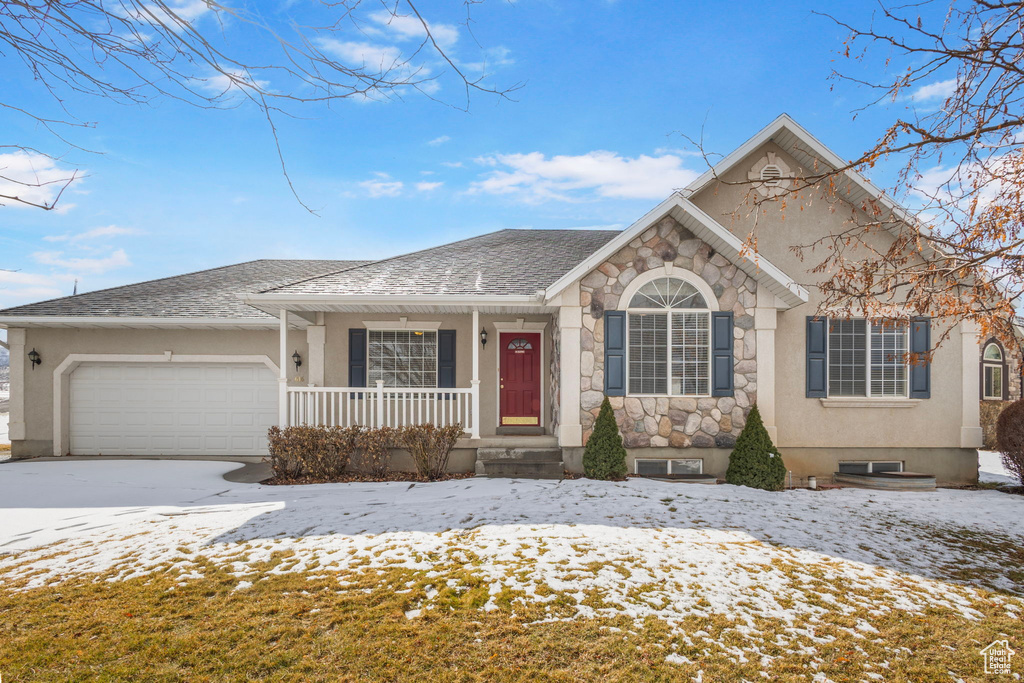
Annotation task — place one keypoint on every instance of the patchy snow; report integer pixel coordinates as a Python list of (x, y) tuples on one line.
[(991, 470), (4, 435), (645, 548)]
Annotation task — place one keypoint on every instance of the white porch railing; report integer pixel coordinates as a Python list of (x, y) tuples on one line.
[(384, 406)]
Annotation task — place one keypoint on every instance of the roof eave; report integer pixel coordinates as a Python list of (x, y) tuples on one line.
[(137, 322)]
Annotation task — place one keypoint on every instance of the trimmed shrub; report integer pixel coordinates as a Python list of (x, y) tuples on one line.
[(319, 452), (755, 461), (374, 445), (429, 446), (604, 457), (1010, 435)]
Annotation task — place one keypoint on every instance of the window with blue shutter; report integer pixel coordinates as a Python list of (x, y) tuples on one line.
[(357, 357), (817, 357), (920, 370), (721, 353), (615, 353), (446, 358)]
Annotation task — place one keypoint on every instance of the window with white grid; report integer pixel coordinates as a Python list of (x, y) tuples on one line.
[(847, 353), (648, 361), (868, 359), (889, 358), (669, 343), (403, 358), (691, 346)]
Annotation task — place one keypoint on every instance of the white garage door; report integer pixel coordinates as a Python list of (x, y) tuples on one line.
[(172, 409)]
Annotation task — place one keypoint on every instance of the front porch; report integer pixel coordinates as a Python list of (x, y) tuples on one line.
[(489, 371)]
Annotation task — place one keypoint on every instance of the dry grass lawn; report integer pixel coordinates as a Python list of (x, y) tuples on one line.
[(300, 626)]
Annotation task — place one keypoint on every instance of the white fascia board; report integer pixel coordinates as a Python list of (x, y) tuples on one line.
[(133, 322), (709, 230)]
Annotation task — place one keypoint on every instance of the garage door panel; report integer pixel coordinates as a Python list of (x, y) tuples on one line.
[(171, 409)]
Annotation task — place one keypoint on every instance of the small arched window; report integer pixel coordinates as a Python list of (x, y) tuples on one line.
[(993, 373), (669, 340)]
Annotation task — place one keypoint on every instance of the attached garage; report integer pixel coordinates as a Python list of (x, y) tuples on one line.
[(171, 408)]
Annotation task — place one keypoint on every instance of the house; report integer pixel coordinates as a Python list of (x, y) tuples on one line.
[(518, 335)]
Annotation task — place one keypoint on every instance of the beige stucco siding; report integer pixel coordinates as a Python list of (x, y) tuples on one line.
[(55, 345), (801, 421)]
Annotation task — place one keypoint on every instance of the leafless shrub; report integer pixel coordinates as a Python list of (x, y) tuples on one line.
[(429, 446), (321, 452), (1010, 434), (374, 446)]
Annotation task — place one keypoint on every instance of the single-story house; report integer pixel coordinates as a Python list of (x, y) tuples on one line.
[(519, 335)]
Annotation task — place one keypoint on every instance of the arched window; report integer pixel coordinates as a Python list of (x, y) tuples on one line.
[(669, 338), (993, 371)]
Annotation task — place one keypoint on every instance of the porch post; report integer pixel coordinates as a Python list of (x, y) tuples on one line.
[(282, 379), (570, 323), (316, 337), (765, 324), (474, 427), (16, 340)]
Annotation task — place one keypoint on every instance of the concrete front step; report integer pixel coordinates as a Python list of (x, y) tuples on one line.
[(520, 468), (540, 454)]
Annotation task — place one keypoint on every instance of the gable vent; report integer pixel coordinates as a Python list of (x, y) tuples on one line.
[(771, 175)]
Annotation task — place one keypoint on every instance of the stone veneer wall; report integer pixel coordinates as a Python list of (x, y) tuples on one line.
[(677, 422), (554, 376)]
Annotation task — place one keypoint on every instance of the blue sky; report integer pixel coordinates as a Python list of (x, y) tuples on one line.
[(591, 140)]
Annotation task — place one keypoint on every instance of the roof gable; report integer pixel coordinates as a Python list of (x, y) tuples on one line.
[(707, 229)]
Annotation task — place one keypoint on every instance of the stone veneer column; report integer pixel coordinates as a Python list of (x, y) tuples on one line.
[(970, 429), (765, 323), (16, 342), (570, 322)]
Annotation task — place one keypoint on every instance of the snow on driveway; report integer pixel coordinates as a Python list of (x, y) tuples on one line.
[(646, 548)]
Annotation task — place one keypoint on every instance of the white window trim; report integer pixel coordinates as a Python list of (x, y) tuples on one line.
[(985, 367), (402, 323), (413, 327), (668, 350), (903, 401), (669, 270), (668, 469)]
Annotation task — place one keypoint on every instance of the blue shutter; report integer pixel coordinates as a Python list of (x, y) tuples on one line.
[(817, 357), (615, 353), (357, 357), (921, 371), (721, 354), (446, 358)]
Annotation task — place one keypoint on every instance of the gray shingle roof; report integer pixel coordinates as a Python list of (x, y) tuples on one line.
[(507, 262), (204, 294)]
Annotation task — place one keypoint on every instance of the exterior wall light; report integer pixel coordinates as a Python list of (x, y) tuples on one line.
[(35, 358), (483, 337), (297, 359)]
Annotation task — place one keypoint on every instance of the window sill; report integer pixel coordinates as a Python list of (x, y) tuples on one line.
[(864, 402)]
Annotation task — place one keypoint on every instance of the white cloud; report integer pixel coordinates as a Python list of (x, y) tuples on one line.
[(492, 57), (224, 83), (438, 141), (34, 178), (940, 90), (409, 27), (19, 288), (452, 164), (536, 177), (117, 259), (382, 186), (428, 187), (94, 234), (382, 57)]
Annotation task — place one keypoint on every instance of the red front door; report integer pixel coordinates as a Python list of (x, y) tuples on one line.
[(520, 378)]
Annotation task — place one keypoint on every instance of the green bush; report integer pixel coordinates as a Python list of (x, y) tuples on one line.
[(429, 446), (604, 457), (755, 461)]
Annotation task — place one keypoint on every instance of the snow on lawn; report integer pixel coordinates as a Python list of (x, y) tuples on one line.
[(638, 548), (991, 470)]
